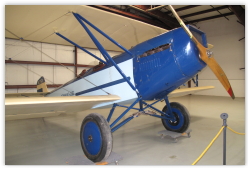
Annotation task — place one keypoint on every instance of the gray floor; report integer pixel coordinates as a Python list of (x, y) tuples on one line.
[(52, 141)]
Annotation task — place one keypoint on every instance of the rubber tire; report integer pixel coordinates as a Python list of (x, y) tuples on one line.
[(106, 137), (185, 115)]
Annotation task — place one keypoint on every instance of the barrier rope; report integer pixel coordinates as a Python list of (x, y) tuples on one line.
[(235, 131), (210, 144)]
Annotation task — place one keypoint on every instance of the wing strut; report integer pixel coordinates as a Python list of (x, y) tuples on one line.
[(107, 57), (101, 32), (78, 46)]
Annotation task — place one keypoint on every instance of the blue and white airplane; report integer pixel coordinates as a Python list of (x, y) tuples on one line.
[(152, 70)]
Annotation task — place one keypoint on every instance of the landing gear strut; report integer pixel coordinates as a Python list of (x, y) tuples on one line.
[(96, 137)]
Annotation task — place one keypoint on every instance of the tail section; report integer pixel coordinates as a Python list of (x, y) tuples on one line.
[(41, 85)]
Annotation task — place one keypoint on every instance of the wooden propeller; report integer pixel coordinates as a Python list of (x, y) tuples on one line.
[(207, 58)]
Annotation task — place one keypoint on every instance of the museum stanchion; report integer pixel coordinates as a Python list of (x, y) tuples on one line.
[(224, 116), (210, 144)]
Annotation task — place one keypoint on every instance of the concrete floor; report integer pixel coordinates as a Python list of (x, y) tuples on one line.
[(51, 141)]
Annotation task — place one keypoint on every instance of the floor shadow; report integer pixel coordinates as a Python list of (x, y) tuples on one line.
[(196, 118)]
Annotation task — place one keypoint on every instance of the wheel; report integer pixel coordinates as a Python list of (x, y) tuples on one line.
[(182, 118), (96, 137)]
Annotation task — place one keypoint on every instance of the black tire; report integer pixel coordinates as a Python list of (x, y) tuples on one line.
[(182, 118), (96, 137)]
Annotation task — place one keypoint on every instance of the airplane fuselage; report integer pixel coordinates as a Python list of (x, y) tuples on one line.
[(158, 66)]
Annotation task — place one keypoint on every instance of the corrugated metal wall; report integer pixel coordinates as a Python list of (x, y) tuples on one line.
[(20, 75)]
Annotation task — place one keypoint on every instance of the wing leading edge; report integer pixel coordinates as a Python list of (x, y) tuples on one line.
[(33, 107), (186, 91)]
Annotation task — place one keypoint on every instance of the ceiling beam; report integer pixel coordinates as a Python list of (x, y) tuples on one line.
[(204, 11), (166, 19), (208, 18), (130, 15), (160, 6), (239, 12), (183, 8), (219, 12)]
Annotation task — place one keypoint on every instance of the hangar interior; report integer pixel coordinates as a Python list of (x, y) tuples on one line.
[(33, 50)]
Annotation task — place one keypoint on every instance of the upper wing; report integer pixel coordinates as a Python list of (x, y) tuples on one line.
[(33, 107), (186, 91)]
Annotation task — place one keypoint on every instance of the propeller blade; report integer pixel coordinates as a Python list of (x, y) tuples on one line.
[(181, 23), (217, 70), (215, 67), (210, 46), (209, 60)]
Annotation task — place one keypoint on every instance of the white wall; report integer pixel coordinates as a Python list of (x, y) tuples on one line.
[(20, 75), (229, 52)]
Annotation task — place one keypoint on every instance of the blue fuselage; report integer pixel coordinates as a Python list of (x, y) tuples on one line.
[(157, 67)]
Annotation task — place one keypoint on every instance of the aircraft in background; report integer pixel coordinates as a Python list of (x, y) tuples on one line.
[(152, 70)]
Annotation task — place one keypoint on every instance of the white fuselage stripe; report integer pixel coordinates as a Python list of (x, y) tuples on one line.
[(100, 78)]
